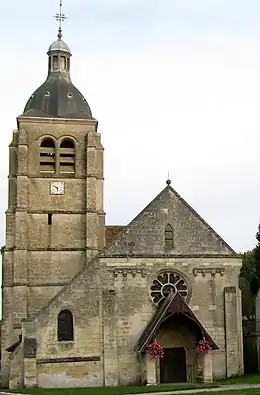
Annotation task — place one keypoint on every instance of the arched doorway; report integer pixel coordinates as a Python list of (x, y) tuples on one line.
[(173, 366), (179, 362)]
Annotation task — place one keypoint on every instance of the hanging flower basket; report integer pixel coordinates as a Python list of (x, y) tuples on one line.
[(155, 350), (203, 347)]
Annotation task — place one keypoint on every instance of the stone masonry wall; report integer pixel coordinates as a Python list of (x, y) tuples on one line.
[(41, 257), (77, 363), (145, 234), (111, 306), (207, 278)]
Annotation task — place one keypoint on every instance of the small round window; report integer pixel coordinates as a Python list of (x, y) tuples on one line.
[(167, 282)]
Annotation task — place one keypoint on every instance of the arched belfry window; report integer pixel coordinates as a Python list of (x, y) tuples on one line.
[(47, 156), (67, 156), (168, 237), (65, 326)]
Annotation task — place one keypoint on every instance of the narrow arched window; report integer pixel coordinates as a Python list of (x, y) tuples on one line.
[(168, 237), (65, 326), (67, 157), (55, 63), (47, 156)]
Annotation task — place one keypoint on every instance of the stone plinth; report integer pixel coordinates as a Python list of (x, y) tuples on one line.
[(207, 368)]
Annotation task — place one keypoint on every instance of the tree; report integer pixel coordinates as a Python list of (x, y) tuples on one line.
[(255, 277), (249, 280), (246, 280)]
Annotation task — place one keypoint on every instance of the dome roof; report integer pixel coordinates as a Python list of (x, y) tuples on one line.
[(58, 98), (59, 45)]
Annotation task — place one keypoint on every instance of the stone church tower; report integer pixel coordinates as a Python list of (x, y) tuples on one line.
[(55, 218)]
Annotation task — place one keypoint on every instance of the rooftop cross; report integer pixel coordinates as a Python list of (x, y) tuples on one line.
[(60, 17)]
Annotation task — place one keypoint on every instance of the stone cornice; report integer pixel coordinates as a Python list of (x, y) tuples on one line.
[(58, 121), (129, 270), (43, 361), (17, 326), (58, 249), (209, 270), (56, 211), (35, 284), (126, 255), (231, 289), (45, 176)]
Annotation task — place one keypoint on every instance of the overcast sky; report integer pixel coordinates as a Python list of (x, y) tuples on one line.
[(175, 86)]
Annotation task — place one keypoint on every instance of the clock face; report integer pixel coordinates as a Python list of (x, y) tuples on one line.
[(57, 188)]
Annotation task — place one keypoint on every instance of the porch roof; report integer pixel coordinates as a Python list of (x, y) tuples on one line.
[(173, 305), (14, 345)]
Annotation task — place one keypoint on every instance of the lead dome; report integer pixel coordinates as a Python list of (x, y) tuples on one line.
[(59, 45), (57, 97)]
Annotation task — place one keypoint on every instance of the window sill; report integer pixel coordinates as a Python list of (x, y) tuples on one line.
[(66, 344)]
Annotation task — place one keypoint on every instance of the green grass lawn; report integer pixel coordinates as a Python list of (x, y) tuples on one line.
[(254, 391), (246, 379), (253, 378), (129, 390), (111, 390)]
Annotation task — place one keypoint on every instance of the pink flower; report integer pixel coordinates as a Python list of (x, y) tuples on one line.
[(155, 350), (203, 347)]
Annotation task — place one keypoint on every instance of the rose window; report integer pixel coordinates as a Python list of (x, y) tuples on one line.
[(166, 283)]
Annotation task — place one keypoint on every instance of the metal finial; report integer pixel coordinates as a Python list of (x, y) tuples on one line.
[(168, 182), (60, 17)]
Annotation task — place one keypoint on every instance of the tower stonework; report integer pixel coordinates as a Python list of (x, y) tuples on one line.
[(55, 218)]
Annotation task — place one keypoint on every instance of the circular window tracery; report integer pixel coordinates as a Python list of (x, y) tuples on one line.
[(167, 282)]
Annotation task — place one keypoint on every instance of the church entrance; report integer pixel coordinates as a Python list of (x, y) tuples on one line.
[(173, 366)]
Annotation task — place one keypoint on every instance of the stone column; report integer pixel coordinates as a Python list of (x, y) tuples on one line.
[(150, 370), (30, 367), (233, 325), (16, 369), (110, 351), (207, 368), (95, 216), (99, 195)]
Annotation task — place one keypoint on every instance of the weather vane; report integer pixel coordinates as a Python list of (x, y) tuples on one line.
[(168, 182), (60, 17)]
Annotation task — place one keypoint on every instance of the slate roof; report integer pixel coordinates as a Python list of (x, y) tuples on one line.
[(58, 98), (172, 306), (14, 345)]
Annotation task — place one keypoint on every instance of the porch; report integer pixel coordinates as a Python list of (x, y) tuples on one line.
[(176, 328)]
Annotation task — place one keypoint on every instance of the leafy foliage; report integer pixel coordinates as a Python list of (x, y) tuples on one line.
[(250, 278), (248, 283), (255, 280)]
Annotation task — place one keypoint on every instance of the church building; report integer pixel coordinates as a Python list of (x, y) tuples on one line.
[(87, 304)]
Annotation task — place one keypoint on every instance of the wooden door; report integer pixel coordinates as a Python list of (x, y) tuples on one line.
[(173, 366)]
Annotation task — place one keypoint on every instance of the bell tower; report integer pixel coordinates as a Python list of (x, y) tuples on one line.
[(55, 221)]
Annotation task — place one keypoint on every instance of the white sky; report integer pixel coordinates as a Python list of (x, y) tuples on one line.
[(175, 87)]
